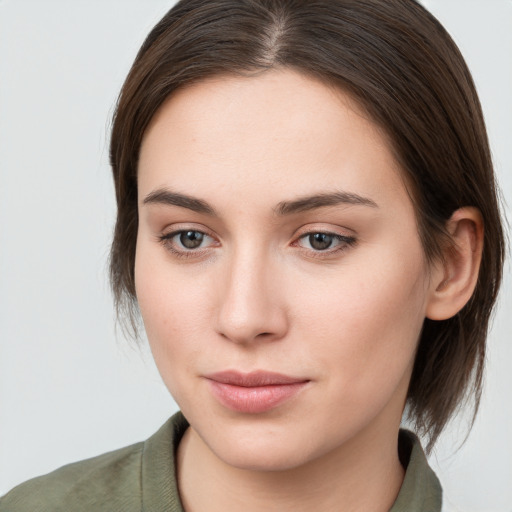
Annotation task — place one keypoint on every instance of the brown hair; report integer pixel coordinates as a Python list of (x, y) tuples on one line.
[(401, 65)]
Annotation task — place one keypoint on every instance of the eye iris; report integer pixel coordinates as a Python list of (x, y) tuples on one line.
[(191, 239), (320, 241)]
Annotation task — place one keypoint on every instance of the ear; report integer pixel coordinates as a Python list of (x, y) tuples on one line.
[(454, 279)]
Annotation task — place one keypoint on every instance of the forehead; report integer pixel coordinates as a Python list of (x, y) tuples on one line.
[(263, 136)]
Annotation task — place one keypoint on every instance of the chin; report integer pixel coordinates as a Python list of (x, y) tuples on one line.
[(262, 446), (269, 459)]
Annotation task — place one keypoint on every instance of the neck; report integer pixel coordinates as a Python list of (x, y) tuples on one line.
[(363, 474)]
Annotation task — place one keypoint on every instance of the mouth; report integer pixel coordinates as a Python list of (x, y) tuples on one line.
[(254, 392)]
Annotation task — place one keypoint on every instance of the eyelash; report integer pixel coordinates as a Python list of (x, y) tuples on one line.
[(344, 242)]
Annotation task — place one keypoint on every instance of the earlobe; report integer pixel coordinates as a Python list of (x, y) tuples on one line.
[(455, 278)]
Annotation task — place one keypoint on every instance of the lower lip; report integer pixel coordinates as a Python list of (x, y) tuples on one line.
[(255, 399)]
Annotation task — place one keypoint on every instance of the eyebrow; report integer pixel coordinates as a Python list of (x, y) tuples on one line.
[(303, 204), (168, 197)]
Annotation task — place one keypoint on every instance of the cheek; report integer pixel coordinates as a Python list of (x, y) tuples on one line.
[(364, 351), (366, 322), (166, 298), (170, 308)]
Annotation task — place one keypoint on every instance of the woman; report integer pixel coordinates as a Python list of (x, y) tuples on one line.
[(303, 190)]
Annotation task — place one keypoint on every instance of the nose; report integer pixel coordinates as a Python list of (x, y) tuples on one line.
[(251, 306)]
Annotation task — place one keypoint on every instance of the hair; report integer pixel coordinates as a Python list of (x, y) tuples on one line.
[(404, 69)]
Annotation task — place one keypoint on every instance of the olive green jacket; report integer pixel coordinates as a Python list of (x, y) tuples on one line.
[(142, 478)]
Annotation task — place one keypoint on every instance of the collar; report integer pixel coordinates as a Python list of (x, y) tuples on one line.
[(421, 490)]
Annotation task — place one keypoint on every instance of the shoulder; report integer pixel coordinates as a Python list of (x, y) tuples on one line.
[(138, 477), (83, 486)]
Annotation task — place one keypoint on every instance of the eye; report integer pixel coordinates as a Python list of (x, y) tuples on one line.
[(190, 239), (186, 242), (325, 242)]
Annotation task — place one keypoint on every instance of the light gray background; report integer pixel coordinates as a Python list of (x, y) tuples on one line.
[(70, 388)]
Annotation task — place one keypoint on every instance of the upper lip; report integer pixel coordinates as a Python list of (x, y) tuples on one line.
[(253, 379)]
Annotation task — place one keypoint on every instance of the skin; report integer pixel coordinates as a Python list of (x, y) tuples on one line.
[(256, 295)]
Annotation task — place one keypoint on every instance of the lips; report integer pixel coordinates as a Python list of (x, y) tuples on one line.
[(254, 392)]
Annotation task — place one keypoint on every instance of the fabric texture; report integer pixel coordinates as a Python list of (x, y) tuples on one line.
[(142, 478)]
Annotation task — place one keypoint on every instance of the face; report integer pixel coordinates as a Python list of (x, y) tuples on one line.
[(279, 270)]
